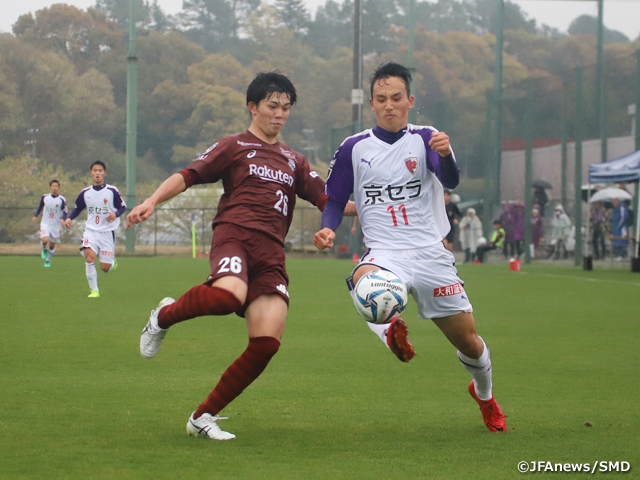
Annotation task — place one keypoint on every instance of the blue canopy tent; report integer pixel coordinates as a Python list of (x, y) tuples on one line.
[(623, 169)]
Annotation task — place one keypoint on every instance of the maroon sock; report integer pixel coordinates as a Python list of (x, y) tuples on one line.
[(240, 374), (200, 300)]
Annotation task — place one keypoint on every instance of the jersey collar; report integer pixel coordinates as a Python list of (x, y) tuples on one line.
[(388, 137)]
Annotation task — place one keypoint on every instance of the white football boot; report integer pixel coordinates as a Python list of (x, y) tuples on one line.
[(206, 426), (152, 334)]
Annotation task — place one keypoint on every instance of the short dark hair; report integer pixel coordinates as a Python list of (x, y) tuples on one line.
[(98, 162), (386, 70), (497, 222), (266, 83), (54, 181)]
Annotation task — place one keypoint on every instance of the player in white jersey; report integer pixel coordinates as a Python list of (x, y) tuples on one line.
[(54, 211), (104, 206), (396, 172)]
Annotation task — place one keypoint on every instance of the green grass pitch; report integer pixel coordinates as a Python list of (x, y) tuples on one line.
[(77, 401)]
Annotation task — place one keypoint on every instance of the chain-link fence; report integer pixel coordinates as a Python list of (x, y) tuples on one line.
[(168, 231)]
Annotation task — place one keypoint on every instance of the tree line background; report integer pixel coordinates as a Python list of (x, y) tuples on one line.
[(63, 75)]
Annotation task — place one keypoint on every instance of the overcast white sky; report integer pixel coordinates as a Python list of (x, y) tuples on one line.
[(621, 15)]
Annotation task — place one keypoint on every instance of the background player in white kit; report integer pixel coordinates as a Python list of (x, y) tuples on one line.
[(104, 206), (396, 172), (54, 211)]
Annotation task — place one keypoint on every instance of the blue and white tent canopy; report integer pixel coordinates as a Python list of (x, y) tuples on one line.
[(623, 169)]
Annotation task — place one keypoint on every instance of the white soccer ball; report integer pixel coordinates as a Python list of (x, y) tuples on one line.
[(380, 296), (481, 241)]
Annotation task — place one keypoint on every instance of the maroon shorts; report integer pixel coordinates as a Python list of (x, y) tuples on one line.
[(252, 256)]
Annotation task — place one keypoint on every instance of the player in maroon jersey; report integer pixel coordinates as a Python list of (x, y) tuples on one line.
[(261, 178)]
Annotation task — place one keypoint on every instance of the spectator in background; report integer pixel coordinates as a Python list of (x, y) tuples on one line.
[(454, 215), (537, 230), (505, 221), (540, 197), (470, 232), (619, 229), (561, 227), (497, 239), (517, 228), (597, 218)]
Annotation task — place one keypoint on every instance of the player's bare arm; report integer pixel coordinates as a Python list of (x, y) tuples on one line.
[(324, 238), (440, 143), (171, 187), (350, 209)]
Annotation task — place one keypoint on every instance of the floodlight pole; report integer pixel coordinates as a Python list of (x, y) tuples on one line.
[(577, 205), (637, 249), (600, 110), (357, 94), (528, 195), (132, 122), (411, 62)]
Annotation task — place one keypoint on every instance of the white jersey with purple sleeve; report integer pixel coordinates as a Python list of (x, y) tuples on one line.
[(53, 210), (396, 187), (99, 202)]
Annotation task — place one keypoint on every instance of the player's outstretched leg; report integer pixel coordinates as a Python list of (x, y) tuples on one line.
[(491, 411), (206, 426), (152, 334), (398, 341)]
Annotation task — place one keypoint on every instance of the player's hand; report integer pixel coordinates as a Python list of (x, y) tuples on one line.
[(140, 213), (33, 220), (440, 143), (67, 223), (324, 238), (111, 217)]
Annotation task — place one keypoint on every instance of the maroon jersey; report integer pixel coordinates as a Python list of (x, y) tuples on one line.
[(260, 182)]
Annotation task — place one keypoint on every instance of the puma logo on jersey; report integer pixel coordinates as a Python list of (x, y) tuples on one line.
[(368, 162)]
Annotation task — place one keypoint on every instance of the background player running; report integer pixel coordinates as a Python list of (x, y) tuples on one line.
[(54, 211), (396, 173), (104, 206)]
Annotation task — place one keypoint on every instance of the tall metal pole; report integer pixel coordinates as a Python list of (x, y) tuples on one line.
[(132, 121), (600, 108), (637, 249), (528, 195), (563, 151), (411, 62), (577, 206), (498, 100), (357, 94)]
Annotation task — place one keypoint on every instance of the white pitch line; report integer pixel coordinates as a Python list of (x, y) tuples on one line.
[(595, 280)]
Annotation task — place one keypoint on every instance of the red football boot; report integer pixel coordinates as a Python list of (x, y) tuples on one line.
[(491, 412), (398, 341)]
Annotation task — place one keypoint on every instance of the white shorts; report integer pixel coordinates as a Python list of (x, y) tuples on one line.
[(103, 243), (51, 231), (430, 276)]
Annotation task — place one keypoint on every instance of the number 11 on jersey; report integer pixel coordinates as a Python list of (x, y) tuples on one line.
[(402, 209)]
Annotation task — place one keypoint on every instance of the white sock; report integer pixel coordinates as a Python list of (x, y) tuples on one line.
[(92, 275), (43, 245), (50, 254), (480, 370), (380, 331)]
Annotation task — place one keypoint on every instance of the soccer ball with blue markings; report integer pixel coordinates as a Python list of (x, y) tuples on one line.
[(380, 296)]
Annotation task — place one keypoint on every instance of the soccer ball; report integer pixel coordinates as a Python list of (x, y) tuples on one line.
[(481, 241), (380, 296)]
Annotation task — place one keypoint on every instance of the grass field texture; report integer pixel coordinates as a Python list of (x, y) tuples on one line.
[(78, 401)]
